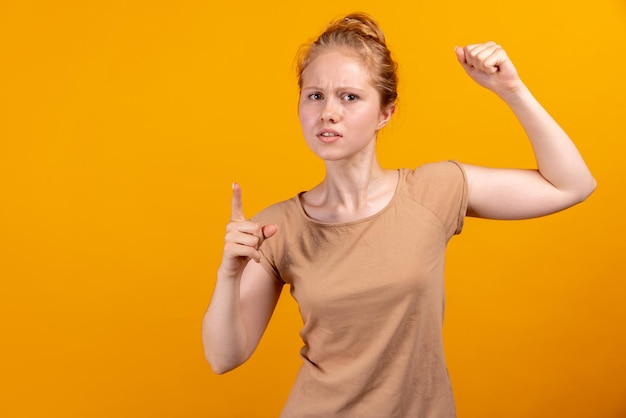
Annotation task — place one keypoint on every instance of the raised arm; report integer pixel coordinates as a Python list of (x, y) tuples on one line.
[(561, 179), (244, 297)]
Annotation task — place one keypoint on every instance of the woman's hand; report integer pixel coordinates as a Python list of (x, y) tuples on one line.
[(243, 239), (489, 65)]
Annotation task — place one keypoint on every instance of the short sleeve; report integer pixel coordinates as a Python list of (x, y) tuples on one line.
[(272, 249), (459, 208), (442, 188)]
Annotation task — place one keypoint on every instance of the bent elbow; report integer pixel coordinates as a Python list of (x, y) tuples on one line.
[(221, 366), (580, 193), (220, 369), (587, 189), (221, 359)]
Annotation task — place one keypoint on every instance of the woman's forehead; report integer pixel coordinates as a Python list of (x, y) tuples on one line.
[(342, 66)]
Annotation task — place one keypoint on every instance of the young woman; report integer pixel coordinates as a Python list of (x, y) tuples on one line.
[(363, 251)]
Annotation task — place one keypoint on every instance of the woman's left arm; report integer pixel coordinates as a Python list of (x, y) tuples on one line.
[(561, 179)]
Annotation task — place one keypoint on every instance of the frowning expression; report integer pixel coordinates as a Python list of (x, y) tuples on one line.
[(339, 108)]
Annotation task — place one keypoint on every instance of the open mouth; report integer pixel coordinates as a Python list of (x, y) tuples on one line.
[(328, 135)]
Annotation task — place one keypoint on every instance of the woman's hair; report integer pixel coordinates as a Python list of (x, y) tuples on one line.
[(360, 33)]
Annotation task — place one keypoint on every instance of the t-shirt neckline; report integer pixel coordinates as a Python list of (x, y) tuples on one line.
[(312, 220)]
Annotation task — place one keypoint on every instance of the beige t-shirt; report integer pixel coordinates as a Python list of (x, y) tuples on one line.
[(371, 296)]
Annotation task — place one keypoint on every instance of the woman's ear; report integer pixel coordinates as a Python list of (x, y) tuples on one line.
[(385, 115)]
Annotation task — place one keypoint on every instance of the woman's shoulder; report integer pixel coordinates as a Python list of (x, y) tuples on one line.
[(442, 188), (434, 175), (277, 212), (438, 169)]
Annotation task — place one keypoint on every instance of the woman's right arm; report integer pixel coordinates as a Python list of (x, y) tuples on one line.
[(244, 297)]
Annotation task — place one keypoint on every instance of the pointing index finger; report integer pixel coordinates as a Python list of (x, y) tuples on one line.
[(236, 207)]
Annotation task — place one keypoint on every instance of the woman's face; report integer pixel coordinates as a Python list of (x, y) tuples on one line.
[(339, 107)]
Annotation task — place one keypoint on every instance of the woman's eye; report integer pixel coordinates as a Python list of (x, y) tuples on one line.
[(350, 97), (316, 96)]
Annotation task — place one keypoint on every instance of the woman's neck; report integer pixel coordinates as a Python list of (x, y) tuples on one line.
[(350, 191)]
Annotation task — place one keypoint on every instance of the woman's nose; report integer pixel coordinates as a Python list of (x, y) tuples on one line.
[(330, 112)]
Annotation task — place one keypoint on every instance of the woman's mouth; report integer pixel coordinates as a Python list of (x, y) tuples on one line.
[(328, 136)]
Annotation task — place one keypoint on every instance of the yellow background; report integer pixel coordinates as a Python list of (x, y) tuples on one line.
[(123, 124)]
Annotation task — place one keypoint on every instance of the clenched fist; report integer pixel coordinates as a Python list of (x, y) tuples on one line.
[(489, 65)]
